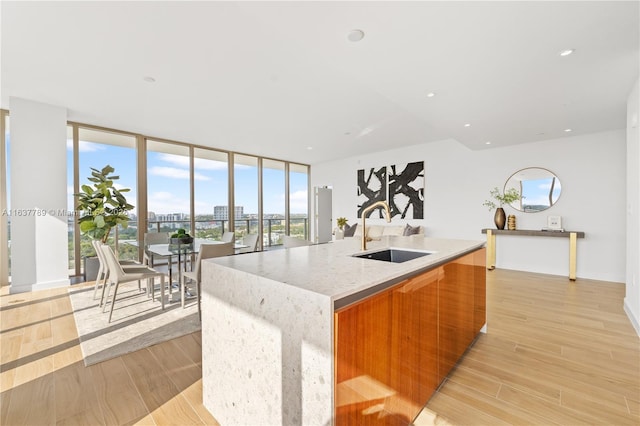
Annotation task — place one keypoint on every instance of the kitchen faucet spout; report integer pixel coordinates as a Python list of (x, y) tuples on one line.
[(365, 211)]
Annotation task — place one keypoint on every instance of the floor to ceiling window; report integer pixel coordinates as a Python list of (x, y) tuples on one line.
[(186, 187), (246, 190), (211, 193), (299, 200), (168, 187), (97, 149), (273, 201)]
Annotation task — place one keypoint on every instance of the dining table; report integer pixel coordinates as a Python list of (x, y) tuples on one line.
[(181, 251)]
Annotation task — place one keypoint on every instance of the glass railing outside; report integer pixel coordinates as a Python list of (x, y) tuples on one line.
[(209, 228), (273, 229)]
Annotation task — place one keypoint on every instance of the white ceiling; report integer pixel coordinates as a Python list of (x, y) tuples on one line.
[(275, 78)]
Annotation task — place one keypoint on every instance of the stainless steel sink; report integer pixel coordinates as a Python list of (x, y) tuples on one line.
[(394, 255)]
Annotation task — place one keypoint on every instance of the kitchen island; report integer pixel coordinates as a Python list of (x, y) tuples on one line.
[(313, 335)]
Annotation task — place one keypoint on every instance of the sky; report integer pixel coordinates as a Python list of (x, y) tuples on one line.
[(168, 181), (536, 192)]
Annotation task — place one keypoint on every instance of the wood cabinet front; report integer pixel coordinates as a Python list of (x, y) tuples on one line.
[(387, 355), (455, 312), (393, 349)]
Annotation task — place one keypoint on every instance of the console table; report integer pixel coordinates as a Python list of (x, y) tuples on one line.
[(572, 235)]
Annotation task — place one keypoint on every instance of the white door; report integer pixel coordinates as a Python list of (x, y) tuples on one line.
[(323, 212)]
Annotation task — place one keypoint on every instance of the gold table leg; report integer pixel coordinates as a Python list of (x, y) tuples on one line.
[(491, 250), (573, 238)]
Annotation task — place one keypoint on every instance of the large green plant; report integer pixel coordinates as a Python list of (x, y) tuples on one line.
[(102, 206)]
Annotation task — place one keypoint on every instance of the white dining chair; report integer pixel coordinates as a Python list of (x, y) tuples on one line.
[(228, 236), (117, 276), (207, 251), (290, 242), (103, 269), (251, 241), (151, 238)]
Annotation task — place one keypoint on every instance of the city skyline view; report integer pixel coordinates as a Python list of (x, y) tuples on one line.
[(168, 181)]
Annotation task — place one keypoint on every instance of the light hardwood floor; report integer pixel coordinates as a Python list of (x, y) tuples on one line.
[(556, 352)]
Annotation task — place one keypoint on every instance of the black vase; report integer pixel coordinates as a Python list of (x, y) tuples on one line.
[(500, 218)]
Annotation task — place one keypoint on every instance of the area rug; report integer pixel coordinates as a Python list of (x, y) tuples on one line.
[(138, 322)]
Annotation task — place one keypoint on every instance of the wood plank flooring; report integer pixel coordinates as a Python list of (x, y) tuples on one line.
[(43, 380), (556, 353)]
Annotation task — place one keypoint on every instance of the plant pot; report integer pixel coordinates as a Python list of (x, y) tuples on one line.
[(500, 218), (91, 266)]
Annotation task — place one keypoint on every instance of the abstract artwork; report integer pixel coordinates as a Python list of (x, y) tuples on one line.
[(402, 185), (406, 190), (372, 187)]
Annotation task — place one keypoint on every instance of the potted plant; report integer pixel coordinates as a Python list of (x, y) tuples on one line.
[(339, 232), (181, 237), (102, 207), (508, 197)]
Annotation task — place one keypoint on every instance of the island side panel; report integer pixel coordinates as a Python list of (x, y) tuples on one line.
[(266, 350)]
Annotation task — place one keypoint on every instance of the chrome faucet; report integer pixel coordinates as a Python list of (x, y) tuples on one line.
[(365, 211)]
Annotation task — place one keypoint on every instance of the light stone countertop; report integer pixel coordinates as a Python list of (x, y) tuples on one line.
[(330, 270)]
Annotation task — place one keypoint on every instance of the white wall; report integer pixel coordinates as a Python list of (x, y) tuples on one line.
[(591, 169), (38, 192), (632, 298), (4, 251)]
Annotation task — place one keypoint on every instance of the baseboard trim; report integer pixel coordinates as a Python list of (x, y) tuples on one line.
[(634, 321), (39, 286)]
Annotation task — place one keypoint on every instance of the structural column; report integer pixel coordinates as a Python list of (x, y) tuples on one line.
[(38, 158)]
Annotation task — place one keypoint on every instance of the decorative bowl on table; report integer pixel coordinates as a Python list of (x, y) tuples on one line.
[(181, 240), (181, 236)]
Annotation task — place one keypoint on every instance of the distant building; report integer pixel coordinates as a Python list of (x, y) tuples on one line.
[(170, 217), (172, 220), (222, 212)]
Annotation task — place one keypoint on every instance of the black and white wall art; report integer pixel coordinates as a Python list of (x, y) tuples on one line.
[(402, 185), (372, 187), (406, 190)]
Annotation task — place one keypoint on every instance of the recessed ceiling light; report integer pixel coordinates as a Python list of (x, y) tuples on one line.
[(467, 125), (149, 79), (568, 130), (567, 52), (487, 143), (355, 35), (430, 95), (309, 148)]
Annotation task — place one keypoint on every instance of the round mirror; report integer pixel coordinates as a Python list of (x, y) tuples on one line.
[(539, 189)]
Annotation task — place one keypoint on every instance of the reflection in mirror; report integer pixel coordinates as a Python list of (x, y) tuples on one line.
[(539, 189)]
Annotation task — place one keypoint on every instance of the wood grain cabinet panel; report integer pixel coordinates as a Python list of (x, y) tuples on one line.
[(480, 290), (393, 349), (414, 338), (363, 350), (387, 353), (455, 312)]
